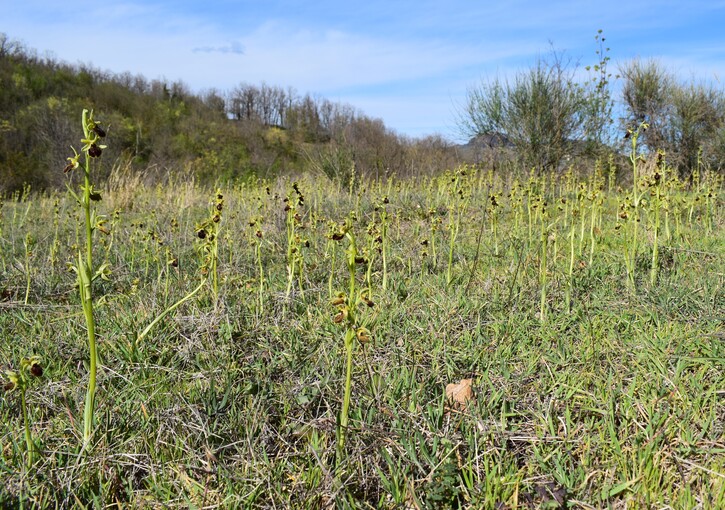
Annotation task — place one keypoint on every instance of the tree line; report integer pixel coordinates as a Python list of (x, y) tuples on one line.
[(555, 111), (544, 118), (158, 127)]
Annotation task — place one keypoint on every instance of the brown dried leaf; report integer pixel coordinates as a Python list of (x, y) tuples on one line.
[(460, 394)]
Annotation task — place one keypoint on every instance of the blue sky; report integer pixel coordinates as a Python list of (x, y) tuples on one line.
[(409, 63)]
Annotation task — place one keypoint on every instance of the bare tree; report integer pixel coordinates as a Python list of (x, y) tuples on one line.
[(646, 91)]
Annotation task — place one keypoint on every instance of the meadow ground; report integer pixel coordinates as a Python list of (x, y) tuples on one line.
[(596, 370)]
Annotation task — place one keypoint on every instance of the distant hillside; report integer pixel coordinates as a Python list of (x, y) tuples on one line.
[(156, 127)]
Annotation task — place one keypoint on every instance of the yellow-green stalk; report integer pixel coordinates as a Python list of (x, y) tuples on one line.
[(634, 158), (347, 312), (92, 149)]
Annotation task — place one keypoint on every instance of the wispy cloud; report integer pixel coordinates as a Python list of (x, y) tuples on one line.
[(233, 47)]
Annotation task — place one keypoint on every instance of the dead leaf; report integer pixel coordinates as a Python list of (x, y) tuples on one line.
[(552, 495), (460, 394)]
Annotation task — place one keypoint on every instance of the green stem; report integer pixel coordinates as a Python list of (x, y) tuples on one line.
[(384, 235), (214, 275), (28, 279), (542, 275), (570, 284), (349, 343), (344, 414), (85, 272), (655, 246), (591, 231), (261, 276), (28, 437), (169, 310), (84, 282), (454, 235)]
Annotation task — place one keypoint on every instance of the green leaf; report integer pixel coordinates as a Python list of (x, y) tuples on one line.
[(617, 489)]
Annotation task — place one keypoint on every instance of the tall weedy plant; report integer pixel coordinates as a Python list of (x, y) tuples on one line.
[(293, 222), (208, 232), (630, 245), (655, 205), (90, 151), (459, 196), (346, 304)]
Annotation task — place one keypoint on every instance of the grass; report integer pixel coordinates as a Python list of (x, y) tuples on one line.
[(233, 399)]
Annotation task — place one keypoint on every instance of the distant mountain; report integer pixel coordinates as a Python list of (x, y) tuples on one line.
[(478, 146)]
